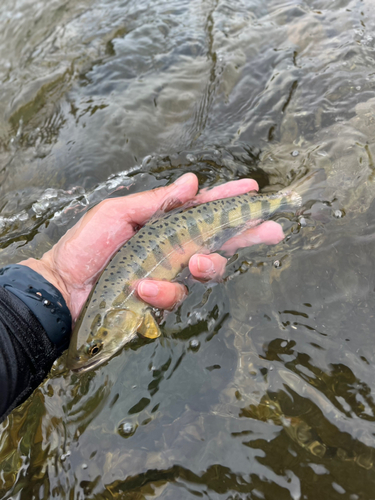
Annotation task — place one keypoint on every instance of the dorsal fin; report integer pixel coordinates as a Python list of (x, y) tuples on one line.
[(168, 207)]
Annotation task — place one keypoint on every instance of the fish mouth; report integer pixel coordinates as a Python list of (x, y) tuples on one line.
[(89, 366)]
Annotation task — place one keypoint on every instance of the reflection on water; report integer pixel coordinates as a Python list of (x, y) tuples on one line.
[(262, 386)]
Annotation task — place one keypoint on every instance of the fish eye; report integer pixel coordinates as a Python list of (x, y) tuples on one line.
[(94, 349)]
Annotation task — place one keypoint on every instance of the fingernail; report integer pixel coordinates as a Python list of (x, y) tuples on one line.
[(204, 265), (148, 289), (181, 180)]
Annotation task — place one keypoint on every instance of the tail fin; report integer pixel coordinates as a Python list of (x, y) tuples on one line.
[(310, 186)]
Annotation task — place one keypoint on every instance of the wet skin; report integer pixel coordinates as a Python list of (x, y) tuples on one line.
[(75, 262)]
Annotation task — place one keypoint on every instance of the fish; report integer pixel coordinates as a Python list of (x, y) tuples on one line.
[(114, 314)]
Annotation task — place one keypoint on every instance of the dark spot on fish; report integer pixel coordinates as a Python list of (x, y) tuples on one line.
[(158, 254), (224, 219), (209, 217), (266, 208), (166, 264), (193, 228), (245, 211)]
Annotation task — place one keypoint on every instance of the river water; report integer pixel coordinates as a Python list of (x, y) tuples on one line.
[(262, 386)]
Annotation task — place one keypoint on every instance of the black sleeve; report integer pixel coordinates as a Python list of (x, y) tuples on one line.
[(26, 352)]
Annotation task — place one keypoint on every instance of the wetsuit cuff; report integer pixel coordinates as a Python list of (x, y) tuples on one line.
[(43, 299)]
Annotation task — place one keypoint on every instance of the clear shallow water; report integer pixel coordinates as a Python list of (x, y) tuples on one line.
[(262, 386)]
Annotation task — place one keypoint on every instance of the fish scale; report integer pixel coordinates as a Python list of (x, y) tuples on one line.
[(114, 314)]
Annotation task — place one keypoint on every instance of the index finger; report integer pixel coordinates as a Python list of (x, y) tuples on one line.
[(140, 207)]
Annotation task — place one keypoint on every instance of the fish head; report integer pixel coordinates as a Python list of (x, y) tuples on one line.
[(94, 342)]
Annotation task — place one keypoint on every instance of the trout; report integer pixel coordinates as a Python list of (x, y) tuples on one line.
[(114, 314)]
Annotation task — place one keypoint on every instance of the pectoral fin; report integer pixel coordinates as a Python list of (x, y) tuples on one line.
[(149, 328)]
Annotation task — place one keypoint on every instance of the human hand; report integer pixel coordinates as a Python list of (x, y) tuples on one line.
[(74, 264)]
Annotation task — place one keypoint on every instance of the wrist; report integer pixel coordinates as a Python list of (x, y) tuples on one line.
[(43, 299), (44, 268)]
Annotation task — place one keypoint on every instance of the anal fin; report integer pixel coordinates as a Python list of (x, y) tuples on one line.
[(149, 328)]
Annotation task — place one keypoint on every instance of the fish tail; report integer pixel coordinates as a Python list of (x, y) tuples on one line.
[(291, 198), (309, 184)]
